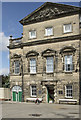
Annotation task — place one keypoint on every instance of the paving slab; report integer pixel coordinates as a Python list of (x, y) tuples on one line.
[(42, 110)]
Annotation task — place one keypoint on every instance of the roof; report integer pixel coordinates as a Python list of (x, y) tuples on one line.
[(48, 11)]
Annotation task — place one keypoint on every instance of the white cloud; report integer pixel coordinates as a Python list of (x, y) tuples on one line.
[(4, 42), (4, 71)]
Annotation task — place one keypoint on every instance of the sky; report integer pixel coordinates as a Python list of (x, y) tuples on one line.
[(12, 13)]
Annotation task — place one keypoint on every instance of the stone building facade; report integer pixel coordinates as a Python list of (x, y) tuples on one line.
[(45, 61)]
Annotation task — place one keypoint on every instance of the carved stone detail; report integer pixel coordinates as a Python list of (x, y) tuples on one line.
[(15, 56), (48, 11), (32, 53), (67, 49), (48, 52)]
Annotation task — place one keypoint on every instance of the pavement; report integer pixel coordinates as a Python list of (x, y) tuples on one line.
[(42, 110)]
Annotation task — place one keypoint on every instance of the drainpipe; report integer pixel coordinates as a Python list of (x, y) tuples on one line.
[(22, 80), (80, 72)]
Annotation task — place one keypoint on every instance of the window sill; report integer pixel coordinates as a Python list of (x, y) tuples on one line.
[(48, 35), (16, 74), (67, 32), (68, 97), (68, 72), (32, 38), (32, 73), (33, 96), (49, 72)]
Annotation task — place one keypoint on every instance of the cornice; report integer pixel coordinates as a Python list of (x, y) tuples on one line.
[(17, 38), (46, 41)]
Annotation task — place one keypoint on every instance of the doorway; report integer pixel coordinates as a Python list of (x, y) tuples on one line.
[(17, 93), (50, 93)]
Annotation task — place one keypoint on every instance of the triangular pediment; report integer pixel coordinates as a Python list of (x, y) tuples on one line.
[(32, 53), (67, 49), (16, 56), (48, 11), (48, 52)]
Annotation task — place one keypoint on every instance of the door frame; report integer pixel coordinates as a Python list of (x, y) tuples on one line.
[(48, 93), (16, 89)]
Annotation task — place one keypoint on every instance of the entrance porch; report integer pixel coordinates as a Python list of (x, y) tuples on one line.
[(51, 91)]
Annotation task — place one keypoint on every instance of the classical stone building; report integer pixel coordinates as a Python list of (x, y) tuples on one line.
[(45, 61)]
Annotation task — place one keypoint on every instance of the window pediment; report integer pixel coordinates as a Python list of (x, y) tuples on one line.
[(32, 53), (16, 56), (48, 52), (67, 49)]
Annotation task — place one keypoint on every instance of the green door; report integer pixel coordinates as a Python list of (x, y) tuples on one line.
[(47, 96), (14, 96), (20, 96), (17, 93)]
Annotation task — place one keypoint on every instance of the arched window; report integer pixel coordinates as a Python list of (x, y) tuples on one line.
[(49, 60), (32, 61), (68, 53), (15, 64)]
